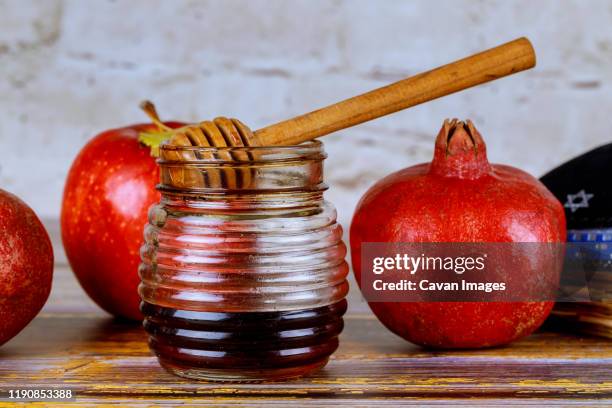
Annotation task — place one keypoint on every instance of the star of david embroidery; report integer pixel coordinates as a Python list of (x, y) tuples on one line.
[(578, 200)]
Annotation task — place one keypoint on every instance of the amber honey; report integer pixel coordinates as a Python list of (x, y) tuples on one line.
[(260, 345), (247, 283)]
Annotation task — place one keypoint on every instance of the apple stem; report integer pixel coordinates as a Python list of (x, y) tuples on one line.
[(149, 108)]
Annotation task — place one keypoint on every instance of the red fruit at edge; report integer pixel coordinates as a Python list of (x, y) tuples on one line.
[(109, 189), (26, 265), (458, 197)]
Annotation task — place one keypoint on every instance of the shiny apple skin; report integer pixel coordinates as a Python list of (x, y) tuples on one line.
[(26, 265), (108, 192)]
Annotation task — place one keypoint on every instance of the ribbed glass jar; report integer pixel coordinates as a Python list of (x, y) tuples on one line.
[(243, 271)]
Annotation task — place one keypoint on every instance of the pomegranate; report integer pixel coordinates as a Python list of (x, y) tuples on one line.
[(458, 197), (26, 265)]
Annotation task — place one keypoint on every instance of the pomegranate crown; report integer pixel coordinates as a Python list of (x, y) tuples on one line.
[(460, 151)]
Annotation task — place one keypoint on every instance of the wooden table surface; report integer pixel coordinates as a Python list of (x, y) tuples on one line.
[(72, 344)]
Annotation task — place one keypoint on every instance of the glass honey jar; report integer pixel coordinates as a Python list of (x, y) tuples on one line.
[(243, 271)]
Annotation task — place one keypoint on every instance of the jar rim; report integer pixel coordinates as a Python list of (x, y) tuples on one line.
[(259, 154)]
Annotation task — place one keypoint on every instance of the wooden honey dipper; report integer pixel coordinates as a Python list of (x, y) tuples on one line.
[(489, 65)]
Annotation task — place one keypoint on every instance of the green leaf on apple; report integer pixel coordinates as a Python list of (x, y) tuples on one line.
[(153, 140)]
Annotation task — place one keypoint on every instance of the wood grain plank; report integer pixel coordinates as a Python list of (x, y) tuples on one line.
[(100, 357), (106, 362)]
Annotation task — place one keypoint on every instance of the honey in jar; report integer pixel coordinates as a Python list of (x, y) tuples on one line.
[(243, 281)]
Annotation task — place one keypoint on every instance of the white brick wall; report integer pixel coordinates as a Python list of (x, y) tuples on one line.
[(69, 69)]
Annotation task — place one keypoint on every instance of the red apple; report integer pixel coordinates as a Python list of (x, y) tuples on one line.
[(460, 197), (26, 265), (109, 189)]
